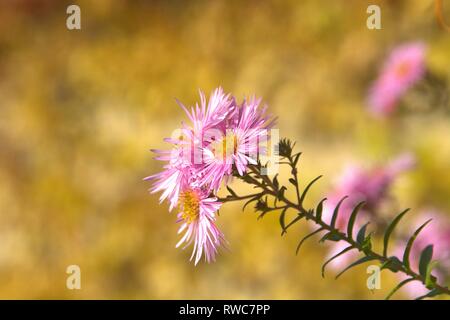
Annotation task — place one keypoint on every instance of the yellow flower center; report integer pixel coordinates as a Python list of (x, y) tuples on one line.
[(190, 204), (225, 146)]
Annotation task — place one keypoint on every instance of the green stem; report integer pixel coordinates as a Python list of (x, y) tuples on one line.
[(268, 188)]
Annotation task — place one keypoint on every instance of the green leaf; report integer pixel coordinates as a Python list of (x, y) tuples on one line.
[(389, 230), (354, 264), (361, 236), (331, 236), (430, 280), (283, 218), (319, 209), (255, 198), (401, 284), (411, 242), (393, 263), (425, 259), (367, 243), (336, 212), (280, 194), (297, 156), (292, 181), (307, 237), (302, 198), (352, 219), (432, 293), (334, 257), (231, 192), (275, 182), (297, 218)]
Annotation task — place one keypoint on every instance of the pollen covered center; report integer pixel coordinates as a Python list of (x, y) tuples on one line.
[(190, 205)]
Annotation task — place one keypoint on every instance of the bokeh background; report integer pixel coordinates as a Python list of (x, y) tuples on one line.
[(79, 111)]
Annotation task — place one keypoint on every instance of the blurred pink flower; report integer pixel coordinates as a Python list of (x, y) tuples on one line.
[(437, 233), (371, 186), (404, 67)]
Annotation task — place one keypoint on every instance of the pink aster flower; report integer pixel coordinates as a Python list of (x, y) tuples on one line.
[(371, 186), (182, 181), (198, 218), (210, 114), (437, 233), (236, 144), (404, 67), (183, 161), (170, 180)]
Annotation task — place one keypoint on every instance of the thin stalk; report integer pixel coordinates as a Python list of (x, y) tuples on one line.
[(268, 188)]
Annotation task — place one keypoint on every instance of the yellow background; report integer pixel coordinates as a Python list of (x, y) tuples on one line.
[(79, 111)]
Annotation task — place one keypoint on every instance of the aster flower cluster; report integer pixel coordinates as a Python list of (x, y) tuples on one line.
[(221, 138)]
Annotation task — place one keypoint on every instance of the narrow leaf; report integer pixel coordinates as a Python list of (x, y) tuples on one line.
[(297, 156), (367, 243), (275, 182), (425, 259), (389, 230), (430, 280), (334, 257), (411, 242), (231, 192), (319, 209), (362, 234), (250, 201), (302, 198), (430, 294), (393, 263), (307, 237), (280, 194), (401, 284), (358, 262), (336, 212), (331, 236), (352, 219), (283, 218), (297, 218)]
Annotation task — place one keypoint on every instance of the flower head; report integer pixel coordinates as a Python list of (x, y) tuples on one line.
[(210, 114), (220, 136), (198, 218), (183, 161), (404, 67), (237, 144)]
